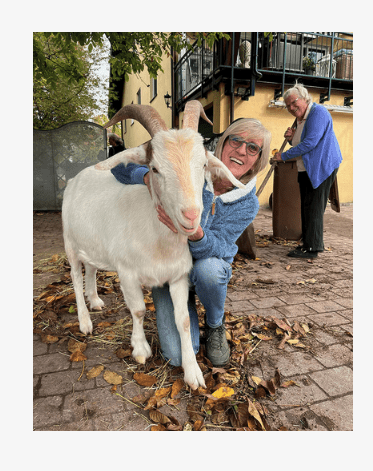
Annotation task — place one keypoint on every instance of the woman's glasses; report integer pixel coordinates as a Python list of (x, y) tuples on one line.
[(251, 148)]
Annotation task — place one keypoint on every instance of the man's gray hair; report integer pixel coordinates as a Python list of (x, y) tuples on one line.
[(300, 90)]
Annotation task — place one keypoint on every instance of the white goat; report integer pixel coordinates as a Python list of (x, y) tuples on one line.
[(111, 226)]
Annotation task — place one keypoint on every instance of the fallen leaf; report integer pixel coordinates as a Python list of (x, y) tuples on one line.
[(177, 387), (281, 345), (267, 282), (122, 353), (104, 324), (75, 345), (95, 371), (158, 417), (112, 378), (77, 355), (198, 424), (162, 392), (262, 336), (223, 392), (300, 345), (158, 428), (173, 402), (256, 380), (292, 341), (144, 380), (305, 328), (282, 324), (286, 384), (254, 413), (45, 338), (287, 267)]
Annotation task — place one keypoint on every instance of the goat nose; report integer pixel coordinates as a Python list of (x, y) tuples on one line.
[(191, 214)]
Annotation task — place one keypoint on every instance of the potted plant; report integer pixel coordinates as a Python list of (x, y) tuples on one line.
[(309, 63)]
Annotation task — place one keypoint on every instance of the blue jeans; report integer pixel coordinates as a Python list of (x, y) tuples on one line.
[(209, 278)]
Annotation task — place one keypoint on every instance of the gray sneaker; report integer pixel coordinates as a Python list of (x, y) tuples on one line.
[(217, 348)]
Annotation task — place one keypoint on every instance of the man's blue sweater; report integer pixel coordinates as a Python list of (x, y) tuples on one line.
[(234, 211), (319, 147)]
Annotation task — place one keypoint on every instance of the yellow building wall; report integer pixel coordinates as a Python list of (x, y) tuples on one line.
[(277, 120), (134, 132)]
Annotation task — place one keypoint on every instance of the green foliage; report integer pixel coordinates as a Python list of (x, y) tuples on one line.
[(64, 81), (132, 52), (63, 78)]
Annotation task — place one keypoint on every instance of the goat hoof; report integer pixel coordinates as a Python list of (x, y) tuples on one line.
[(141, 351), (86, 327), (140, 359), (194, 377), (96, 304)]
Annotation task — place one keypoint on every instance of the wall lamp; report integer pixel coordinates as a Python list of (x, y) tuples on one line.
[(243, 92), (167, 99)]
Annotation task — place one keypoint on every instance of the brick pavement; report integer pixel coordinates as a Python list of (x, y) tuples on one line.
[(319, 293)]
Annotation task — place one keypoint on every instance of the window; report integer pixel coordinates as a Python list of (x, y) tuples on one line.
[(153, 88), (139, 97)]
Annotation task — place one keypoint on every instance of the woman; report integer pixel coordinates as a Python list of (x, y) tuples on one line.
[(318, 156), (244, 149)]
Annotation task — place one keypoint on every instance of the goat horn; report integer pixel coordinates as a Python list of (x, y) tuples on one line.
[(193, 111), (144, 114)]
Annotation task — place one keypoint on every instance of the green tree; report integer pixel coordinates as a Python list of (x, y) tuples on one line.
[(131, 52), (65, 80)]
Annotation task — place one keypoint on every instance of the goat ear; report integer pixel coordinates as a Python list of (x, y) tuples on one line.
[(216, 167), (137, 155)]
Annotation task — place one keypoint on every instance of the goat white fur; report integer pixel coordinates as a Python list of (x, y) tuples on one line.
[(111, 226)]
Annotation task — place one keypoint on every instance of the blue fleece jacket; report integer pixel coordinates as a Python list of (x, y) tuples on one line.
[(319, 147), (234, 211)]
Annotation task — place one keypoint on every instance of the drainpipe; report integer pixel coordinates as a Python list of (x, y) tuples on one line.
[(172, 90), (232, 81), (255, 74)]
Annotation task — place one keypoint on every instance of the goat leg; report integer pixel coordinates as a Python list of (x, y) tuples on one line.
[(179, 291), (85, 323), (134, 299)]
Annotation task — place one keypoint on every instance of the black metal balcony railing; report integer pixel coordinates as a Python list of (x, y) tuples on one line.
[(322, 60)]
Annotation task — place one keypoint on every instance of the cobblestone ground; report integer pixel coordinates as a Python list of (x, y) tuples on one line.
[(319, 293)]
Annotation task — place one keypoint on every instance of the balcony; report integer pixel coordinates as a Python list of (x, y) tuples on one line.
[(320, 60)]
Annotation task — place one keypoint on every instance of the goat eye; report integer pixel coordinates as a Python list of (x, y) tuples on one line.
[(154, 170)]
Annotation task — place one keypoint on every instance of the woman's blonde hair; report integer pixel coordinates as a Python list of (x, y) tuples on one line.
[(256, 130), (300, 90)]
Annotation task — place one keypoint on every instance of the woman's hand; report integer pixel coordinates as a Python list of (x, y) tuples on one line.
[(147, 182), (166, 220)]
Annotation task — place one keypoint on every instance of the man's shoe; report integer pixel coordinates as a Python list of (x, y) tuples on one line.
[(300, 252), (217, 348)]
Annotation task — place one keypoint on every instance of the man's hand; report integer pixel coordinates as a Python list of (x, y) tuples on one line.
[(277, 157), (289, 133)]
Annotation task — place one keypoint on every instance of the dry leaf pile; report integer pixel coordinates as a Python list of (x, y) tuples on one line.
[(232, 400)]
